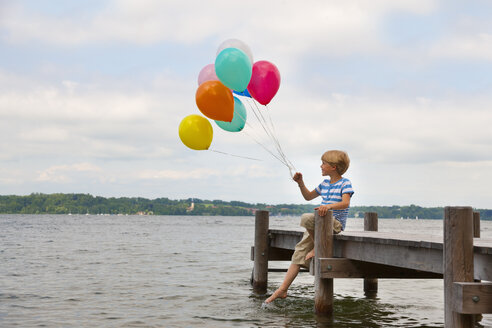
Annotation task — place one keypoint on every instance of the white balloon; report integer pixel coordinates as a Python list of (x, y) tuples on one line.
[(235, 43)]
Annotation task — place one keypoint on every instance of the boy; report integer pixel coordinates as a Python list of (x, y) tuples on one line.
[(335, 193)]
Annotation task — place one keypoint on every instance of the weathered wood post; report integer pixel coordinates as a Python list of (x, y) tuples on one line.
[(476, 234), (476, 224), (323, 248), (458, 261), (370, 224), (260, 268)]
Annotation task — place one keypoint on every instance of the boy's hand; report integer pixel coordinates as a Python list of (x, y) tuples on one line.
[(298, 178), (322, 210)]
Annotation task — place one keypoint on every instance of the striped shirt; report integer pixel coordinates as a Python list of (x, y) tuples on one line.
[(332, 193)]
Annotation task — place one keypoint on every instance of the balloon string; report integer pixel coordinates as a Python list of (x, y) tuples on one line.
[(245, 157), (258, 142), (276, 139), (270, 131), (272, 134), (281, 160), (262, 122), (266, 149)]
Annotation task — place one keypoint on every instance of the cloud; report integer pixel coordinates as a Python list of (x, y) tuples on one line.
[(342, 26), (254, 171), (200, 173), (51, 102), (99, 120), (386, 128), (65, 173), (474, 46), (44, 134)]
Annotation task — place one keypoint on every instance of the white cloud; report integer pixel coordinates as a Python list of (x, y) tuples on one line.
[(253, 171), (65, 173), (200, 173), (44, 134), (47, 102), (386, 128), (337, 27), (105, 121), (474, 46)]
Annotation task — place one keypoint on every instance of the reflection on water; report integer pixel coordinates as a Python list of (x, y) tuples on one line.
[(161, 271)]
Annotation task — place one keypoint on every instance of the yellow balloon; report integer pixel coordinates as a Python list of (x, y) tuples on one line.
[(196, 132)]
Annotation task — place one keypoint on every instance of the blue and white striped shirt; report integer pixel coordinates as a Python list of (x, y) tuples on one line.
[(332, 193)]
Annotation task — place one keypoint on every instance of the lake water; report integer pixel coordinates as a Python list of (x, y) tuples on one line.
[(175, 271)]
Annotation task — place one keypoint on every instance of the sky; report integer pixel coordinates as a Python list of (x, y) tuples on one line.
[(92, 94)]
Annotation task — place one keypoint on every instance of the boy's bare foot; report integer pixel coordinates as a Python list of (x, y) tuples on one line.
[(278, 293), (310, 254)]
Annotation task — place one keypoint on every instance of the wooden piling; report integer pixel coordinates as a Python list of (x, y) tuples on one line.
[(260, 269), (370, 284), (476, 224), (323, 248), (458, 261), (476, 234)]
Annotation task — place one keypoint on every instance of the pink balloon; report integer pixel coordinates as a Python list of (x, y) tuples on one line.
[(264, 82), (207, 74)]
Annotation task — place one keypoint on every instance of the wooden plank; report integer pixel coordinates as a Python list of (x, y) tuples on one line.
[(284, 239), (284, 270), (422, 259), (396, 239), (346, 268), (482, 267), (371, 247), (288, 239), (275, 254), (472, 297), (482, 246)]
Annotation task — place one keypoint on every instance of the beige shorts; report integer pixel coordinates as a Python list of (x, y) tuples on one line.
[(307, 243)]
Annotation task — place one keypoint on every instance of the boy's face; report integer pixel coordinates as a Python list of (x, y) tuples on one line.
[(327, 168)]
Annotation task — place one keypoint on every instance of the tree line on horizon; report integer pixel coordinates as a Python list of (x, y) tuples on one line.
[(38, 203)]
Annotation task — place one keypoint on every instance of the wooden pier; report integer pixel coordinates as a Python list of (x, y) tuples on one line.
[(460, 258)]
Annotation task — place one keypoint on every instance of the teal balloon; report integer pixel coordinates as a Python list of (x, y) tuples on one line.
[(233, 68), (238, 120)]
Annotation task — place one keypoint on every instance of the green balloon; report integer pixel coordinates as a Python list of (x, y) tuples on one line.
[(239, 119), (233, 68)]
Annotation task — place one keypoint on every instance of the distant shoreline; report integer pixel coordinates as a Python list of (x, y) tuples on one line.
[(59, 203)]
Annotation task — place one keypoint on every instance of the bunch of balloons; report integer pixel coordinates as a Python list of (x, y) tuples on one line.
[(234, 72)]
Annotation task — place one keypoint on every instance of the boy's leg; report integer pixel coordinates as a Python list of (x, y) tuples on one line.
[(308, 223), (298, 260), (289, 278)]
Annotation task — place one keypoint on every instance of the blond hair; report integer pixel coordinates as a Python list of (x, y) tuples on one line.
[(337, 158)]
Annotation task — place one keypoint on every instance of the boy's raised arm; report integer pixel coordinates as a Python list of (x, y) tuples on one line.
[(308, 195)]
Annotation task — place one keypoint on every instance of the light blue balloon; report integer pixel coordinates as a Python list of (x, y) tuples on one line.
[(233, 68), (238, 120)]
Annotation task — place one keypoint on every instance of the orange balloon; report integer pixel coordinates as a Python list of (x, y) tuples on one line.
[(215, 101)]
